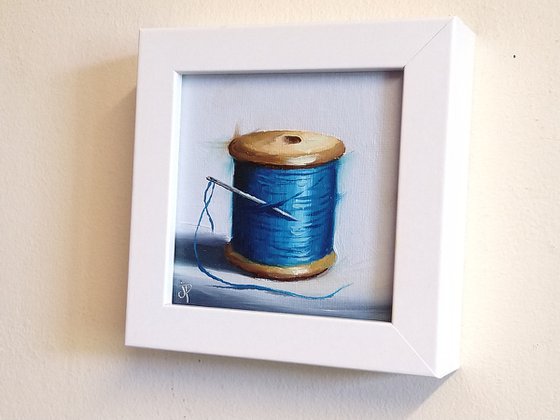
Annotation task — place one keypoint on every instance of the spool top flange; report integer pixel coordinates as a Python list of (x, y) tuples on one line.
[(286, 148)]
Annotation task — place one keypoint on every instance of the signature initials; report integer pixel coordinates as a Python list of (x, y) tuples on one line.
[(184, 292)]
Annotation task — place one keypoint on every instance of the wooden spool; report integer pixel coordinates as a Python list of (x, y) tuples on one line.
[(284, 149)]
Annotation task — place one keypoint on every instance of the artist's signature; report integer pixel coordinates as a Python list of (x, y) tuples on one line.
[(184, 292)]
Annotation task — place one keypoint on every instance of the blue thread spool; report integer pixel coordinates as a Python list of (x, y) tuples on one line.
[(295, 171)]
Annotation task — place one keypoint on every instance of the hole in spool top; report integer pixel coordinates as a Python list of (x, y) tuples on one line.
[(291, 139)]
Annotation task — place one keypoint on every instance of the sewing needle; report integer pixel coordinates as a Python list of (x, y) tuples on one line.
[(249, 197)]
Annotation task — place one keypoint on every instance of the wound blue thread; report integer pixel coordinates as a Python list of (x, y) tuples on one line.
[(208, 193), (308, 194)]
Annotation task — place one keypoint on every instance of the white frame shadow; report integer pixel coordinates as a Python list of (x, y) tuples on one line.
[(424, 333)]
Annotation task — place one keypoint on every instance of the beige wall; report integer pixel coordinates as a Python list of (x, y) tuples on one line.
[(67, 79)]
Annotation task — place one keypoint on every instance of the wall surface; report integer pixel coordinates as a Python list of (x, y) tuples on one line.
[(67, 80)]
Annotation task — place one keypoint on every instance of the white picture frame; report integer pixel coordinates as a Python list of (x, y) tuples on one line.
[(423, 335)]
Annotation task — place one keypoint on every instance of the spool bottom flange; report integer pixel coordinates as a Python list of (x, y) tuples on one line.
[(292, 273)]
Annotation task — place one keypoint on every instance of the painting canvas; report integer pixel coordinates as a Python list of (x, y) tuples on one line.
[(287, 192)]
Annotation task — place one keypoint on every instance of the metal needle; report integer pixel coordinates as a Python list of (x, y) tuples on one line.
[(249, 197)]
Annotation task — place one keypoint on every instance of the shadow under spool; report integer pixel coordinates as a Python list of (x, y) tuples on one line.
[(296, 171)]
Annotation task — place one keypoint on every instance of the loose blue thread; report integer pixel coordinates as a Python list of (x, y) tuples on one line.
[(208, 193)]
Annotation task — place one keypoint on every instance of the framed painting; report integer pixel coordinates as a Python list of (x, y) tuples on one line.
[(299, 193)]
